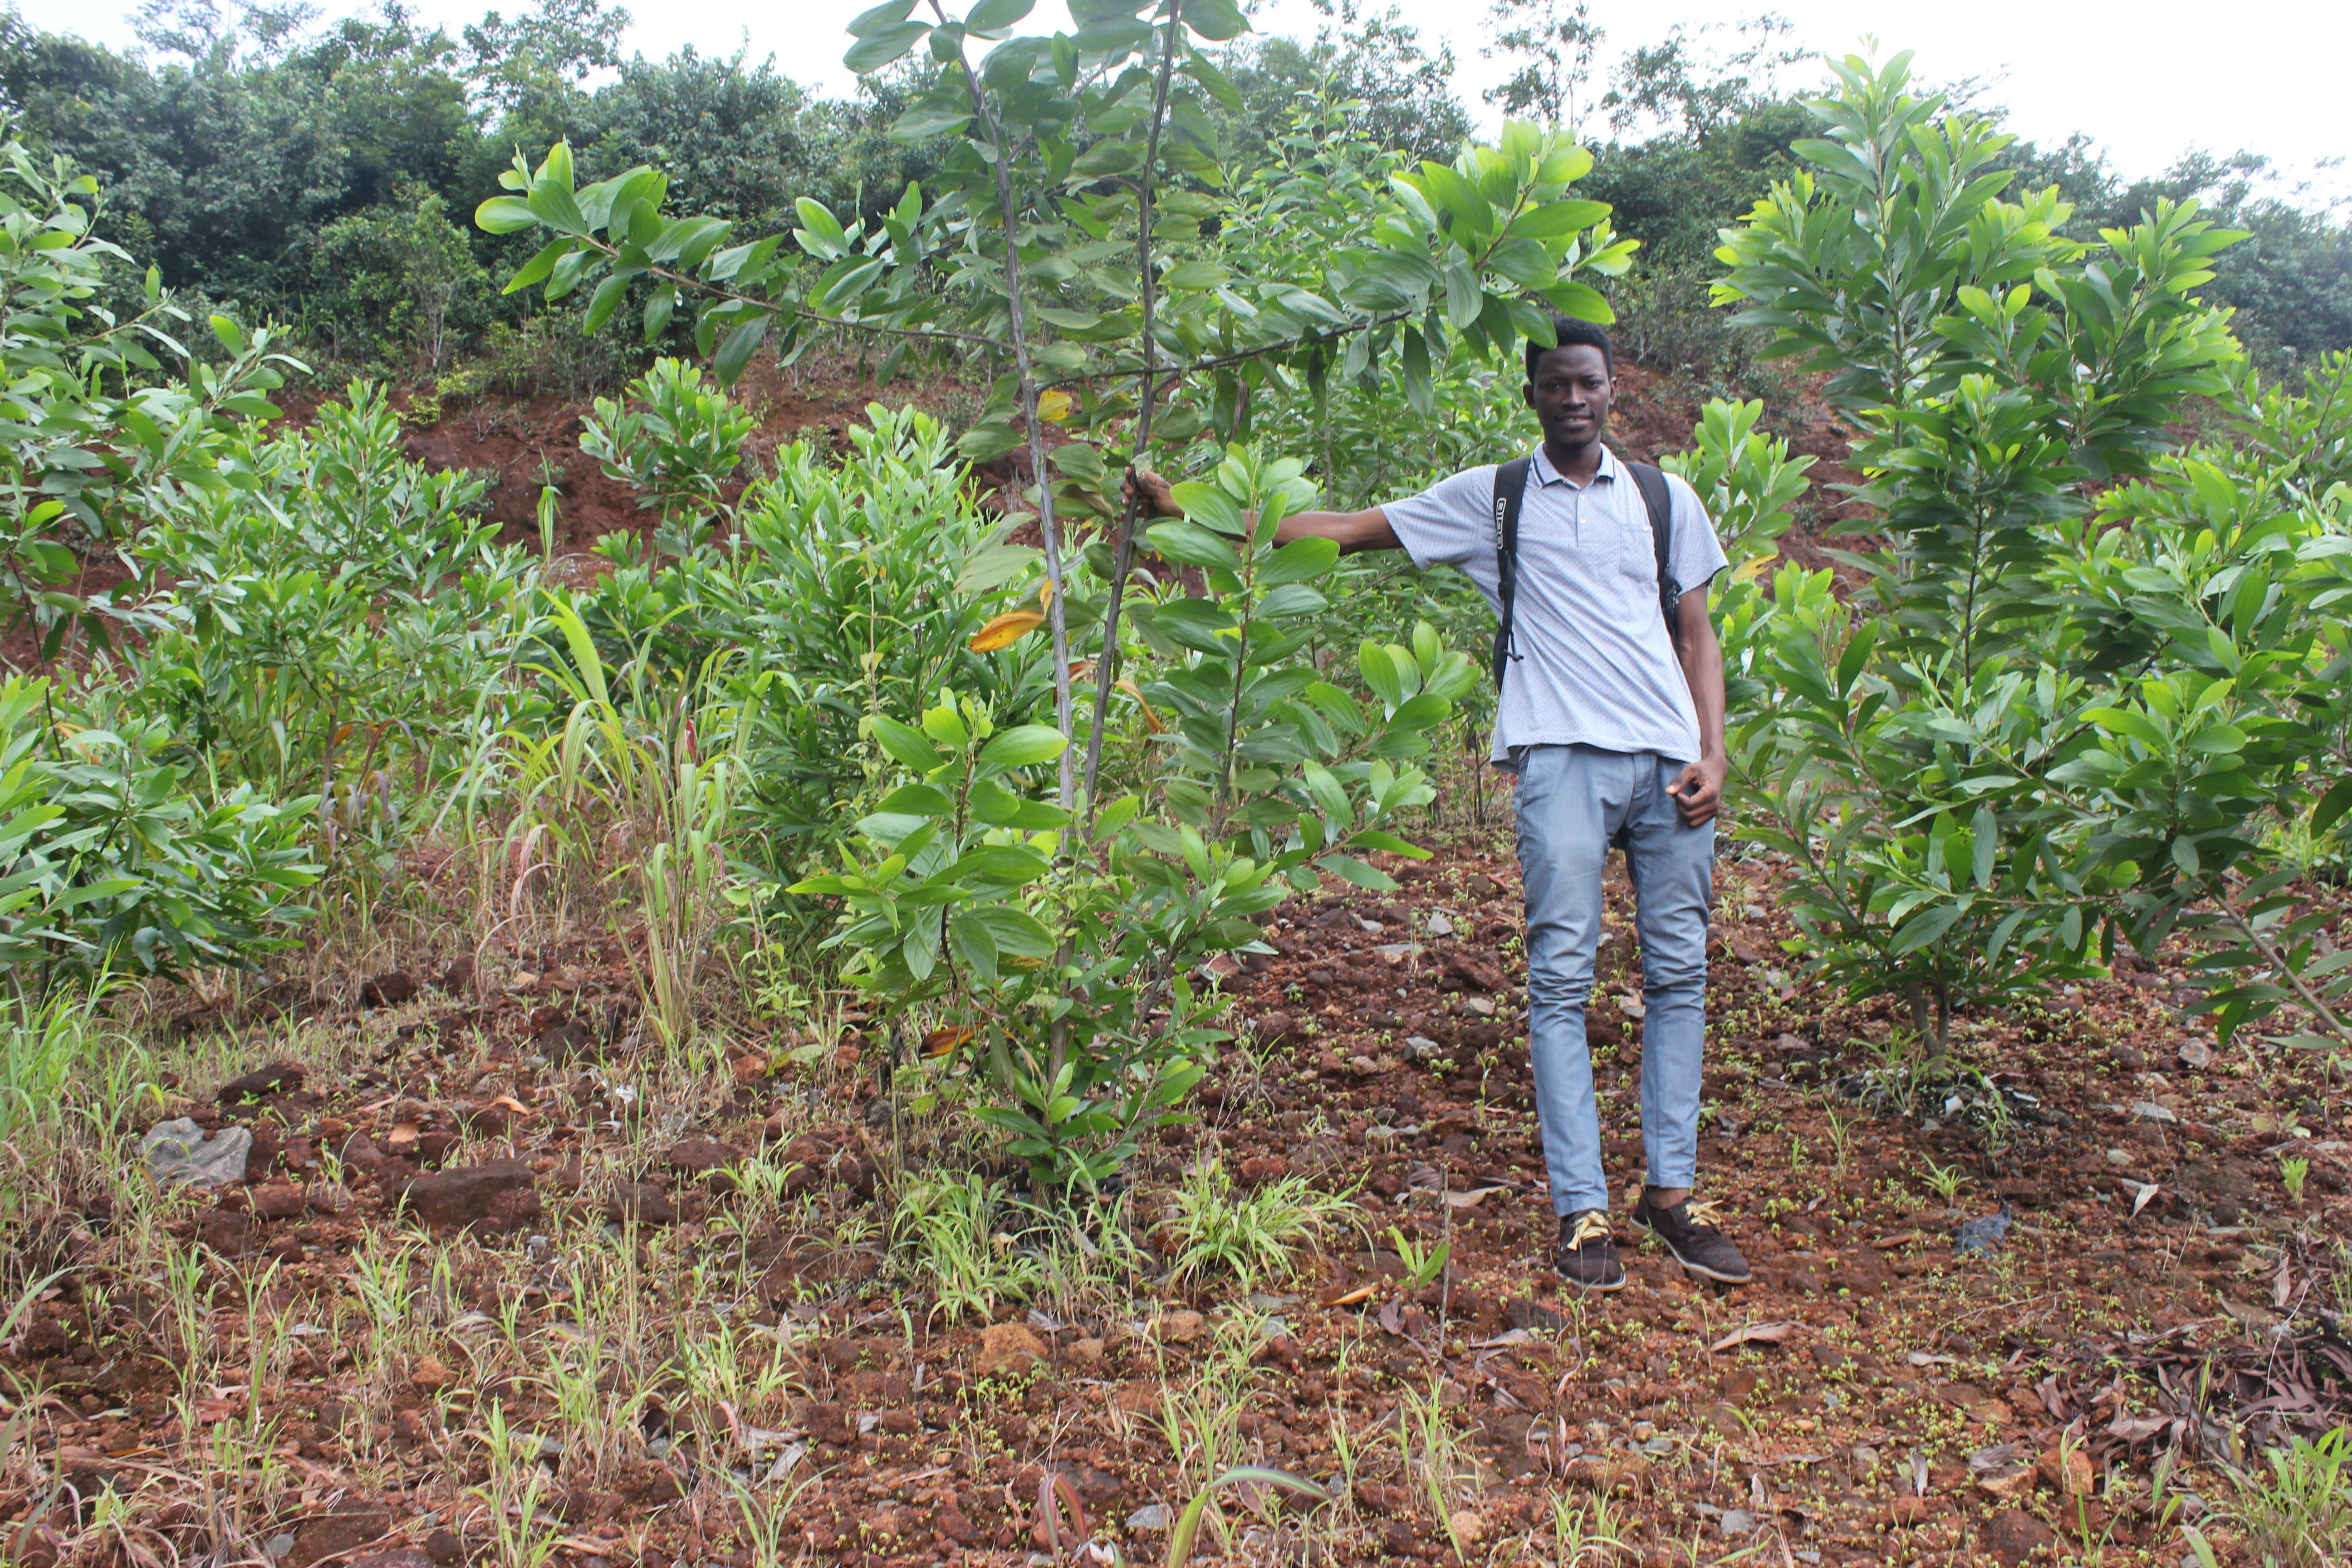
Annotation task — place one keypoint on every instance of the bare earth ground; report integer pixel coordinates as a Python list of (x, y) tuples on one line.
[(677, 1269)]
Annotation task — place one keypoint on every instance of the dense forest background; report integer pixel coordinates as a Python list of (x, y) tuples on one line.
[(321, 172)]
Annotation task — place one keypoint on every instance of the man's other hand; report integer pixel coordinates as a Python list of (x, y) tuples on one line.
[(1158, 499), (1698, 789)]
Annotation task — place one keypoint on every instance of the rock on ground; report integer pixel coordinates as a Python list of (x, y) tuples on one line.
[(1008, 1348), (498, 1196), (178, 1150), (2013, 1535)]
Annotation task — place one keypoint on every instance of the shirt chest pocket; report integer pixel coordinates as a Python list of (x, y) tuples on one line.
[(1637, 551)]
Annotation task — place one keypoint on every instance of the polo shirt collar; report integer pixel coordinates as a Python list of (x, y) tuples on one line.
[(1547, 474)]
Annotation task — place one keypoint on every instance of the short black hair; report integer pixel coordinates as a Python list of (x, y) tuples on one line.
[(1570, 331)]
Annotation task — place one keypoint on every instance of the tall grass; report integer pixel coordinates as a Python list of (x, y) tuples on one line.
[(41, 1046)]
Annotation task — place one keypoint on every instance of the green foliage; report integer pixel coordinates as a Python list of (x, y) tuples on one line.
[(951, 1227), (1369, 73), (2039, 732), (115, 862), (856, 586), (335, 620), (1072, 983), (2295, 1510), (1253, 1237), (676, 441), (75, 456), (396, 281)]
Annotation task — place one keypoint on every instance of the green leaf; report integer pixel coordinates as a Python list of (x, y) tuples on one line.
[(505, 215), (905, 745), (989, 438), (884, 45), (537, 268), (1556, 220), (919, 800), (990, 15), (1024, 745), (604, 303), (1216, 20), (888, 14), (1192, 276), (1580, 300), (551, 201), (1913, 934), (1016, 933), (1192, 545), (1300, 561), (1348, 868), (1986, 832), (2331, 807), (973, 942), (1188, 1525), (1206, 504), (736, 352), (821, 236), (1525, 262)]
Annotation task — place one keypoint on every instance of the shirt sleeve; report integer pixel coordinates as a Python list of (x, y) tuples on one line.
[(1451, 523), (1697, 554)]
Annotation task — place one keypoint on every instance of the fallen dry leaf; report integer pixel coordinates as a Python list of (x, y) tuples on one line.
[(402, 1135), (1889, 1243), (1464, 1200), (1755, 1334), (1348, 1299)]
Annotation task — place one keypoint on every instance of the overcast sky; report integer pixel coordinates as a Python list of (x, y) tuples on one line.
[(2147, 80)]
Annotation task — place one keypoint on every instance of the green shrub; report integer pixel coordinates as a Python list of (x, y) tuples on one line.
[(114, 860)]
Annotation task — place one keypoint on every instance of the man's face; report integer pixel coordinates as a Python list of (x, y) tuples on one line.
[(1570, 394)]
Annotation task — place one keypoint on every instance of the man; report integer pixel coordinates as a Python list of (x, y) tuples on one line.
[(1614, 727)]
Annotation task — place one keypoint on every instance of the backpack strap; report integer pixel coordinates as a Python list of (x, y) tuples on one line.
[(1511, 488), (1660, 500)]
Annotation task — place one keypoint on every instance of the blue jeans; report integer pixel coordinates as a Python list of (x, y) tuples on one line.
[(1572, 800)]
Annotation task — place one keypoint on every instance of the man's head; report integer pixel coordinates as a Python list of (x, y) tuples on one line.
[(1569, 386)]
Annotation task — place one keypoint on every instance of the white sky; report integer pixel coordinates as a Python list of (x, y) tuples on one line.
[(2147, 80)]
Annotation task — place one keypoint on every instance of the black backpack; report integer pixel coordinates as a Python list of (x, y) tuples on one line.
[(1511, 487)]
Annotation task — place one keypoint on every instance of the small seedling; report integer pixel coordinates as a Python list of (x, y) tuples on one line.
[(1946, 1179), (1188, 1524), (1251, 1237), (2291, 1174), (1423, 1265)]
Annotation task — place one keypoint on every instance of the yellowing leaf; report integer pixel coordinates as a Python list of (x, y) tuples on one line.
[(1045, 595), (1151, 720), (1005, 630), (1054, 406), (940, 1042)]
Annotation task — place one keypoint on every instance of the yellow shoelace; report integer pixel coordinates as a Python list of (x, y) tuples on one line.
[(1704, 1213), (1593, 1226)]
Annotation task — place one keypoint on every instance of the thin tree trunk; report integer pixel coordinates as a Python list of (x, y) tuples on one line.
[(1009, 214), (1123, 551)]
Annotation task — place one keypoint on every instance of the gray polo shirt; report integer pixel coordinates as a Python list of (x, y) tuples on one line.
[(1596, 664)]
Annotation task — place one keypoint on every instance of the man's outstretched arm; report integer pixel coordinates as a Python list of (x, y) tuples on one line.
[(1351, 530)]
